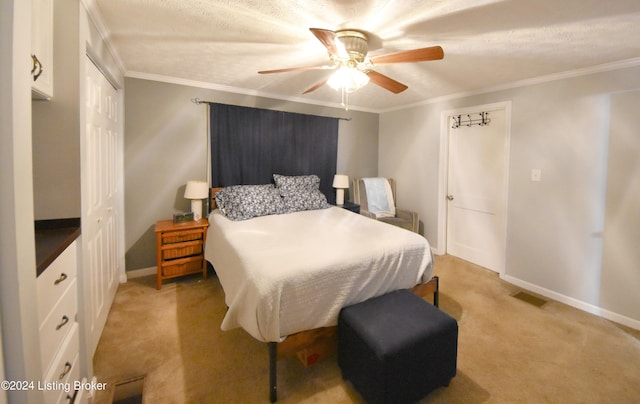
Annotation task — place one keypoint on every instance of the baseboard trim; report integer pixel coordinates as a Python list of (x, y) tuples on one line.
[(139, 273), (578, 304)]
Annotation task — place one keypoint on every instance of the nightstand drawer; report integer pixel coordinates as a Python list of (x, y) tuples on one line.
[(180, 250), (182, 266), (182, 236)]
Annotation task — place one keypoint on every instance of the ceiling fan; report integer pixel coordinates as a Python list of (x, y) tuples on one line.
[(348, 50)]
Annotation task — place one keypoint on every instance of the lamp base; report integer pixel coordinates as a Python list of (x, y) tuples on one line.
[(196, 209), (339, 196)]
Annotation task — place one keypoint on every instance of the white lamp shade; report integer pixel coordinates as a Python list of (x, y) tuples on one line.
[(196, 190), (341, 181)]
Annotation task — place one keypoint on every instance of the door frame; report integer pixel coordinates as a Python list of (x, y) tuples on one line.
[(444, 174)]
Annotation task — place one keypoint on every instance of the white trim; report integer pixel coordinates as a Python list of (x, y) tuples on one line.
[(578, 304), (441, 248), (97, 62), (94, 14), (623, 64), (139, 273), (444, 174), (239, 90)]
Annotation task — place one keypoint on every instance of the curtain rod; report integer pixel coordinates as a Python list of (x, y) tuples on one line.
[(198, 101)]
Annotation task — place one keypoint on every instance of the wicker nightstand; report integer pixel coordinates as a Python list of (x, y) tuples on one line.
[(180, 248)]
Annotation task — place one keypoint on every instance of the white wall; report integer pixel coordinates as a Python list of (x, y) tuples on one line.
[(555, 227)]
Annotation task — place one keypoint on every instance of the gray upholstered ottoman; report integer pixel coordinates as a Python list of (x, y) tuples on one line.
[(396, 348)]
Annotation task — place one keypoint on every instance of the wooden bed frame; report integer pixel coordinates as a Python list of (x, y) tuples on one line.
[(326, 336), (318, 339)]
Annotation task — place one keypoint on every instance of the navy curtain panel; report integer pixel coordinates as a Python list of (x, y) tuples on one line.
[(249, 145)]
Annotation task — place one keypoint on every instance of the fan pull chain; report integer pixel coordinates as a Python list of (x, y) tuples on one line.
[(345, 99)]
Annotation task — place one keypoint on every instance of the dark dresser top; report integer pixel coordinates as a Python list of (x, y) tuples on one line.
[(52, 238)]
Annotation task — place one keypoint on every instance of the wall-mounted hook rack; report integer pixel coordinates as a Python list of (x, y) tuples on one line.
[(462, 120)]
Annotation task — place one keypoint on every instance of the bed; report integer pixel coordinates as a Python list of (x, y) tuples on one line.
[(287, 273)]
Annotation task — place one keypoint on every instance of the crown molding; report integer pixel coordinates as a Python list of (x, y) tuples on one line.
[(96, 17), (238, 90), (516, 84), (606, 67)]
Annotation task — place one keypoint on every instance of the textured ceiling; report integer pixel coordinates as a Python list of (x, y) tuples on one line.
[(487, 43)]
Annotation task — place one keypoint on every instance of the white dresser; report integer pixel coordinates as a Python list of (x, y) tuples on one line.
[(57, 289)]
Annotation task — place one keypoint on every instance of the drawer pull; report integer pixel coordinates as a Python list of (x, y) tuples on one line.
[(62, 278), (64, 322), (67, 369)]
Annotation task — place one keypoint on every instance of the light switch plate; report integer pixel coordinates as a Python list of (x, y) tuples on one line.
[(536, 174)]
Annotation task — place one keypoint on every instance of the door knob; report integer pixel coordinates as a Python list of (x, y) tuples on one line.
[(450, 197)]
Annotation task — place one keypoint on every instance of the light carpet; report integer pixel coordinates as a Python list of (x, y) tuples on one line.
[(508, 350)]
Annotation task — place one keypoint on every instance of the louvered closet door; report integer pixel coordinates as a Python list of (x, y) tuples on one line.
[(100, 201)]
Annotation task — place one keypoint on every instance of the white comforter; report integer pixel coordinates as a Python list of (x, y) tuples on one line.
[(282, 274)]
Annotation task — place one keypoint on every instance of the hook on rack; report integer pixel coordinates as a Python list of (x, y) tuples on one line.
[(469, 121)]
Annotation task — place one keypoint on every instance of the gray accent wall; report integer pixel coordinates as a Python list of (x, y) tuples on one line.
[(56, 125), (166, 146), (572, 129), (621, 255)]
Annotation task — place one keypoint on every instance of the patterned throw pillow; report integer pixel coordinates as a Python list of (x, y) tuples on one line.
[(288, 184), (301, 192), (242, 202)]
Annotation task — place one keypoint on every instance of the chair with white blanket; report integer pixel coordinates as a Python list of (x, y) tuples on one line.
[(377, 199)]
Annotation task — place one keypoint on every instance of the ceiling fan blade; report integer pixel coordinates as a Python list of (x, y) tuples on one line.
[(295, 69), (386, 82), (328, 39), (316, 86), (415, 55)]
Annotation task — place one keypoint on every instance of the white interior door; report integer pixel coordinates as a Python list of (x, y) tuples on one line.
[(476, 191), (100, 207)]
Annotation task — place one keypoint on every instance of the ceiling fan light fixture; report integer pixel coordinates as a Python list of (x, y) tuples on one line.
[(348, 79), (354, 44), (348, 49)]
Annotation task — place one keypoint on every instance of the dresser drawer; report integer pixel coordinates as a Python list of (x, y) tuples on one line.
[(56, 280), (64, 370), (57, 324)]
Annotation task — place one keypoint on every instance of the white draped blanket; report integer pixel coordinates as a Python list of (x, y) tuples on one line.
[(379, 197), (283, 274)]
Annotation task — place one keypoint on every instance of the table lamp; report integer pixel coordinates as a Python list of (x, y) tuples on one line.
[(340, 182), (196, 191)]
